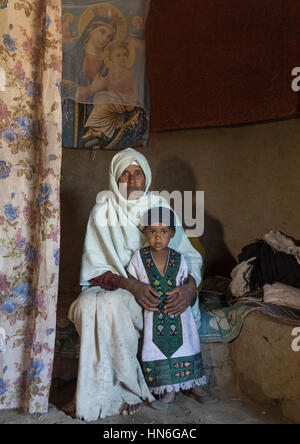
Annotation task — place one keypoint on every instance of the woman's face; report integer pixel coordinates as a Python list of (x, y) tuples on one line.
[(132, 182), (101, 36)]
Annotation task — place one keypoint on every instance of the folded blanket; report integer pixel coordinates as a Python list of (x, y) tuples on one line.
[(281, 294)]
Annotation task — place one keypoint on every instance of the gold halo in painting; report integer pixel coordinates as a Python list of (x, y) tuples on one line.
[(104, 10), (116, 44)]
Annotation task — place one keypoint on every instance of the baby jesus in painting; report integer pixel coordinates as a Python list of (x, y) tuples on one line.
[(171, 356), (120, 95)]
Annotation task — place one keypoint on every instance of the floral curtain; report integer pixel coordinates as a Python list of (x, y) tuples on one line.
[(30, 161)]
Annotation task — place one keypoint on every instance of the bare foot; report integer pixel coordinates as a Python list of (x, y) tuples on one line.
[(200, 393), (130, 409), (204, 396), (168, 397), (167, 400)]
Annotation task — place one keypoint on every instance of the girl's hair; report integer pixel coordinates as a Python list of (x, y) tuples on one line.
[(159, 215)]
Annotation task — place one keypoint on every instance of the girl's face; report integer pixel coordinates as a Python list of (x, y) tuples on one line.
[(159, 236), (101, 36), (119, 57)]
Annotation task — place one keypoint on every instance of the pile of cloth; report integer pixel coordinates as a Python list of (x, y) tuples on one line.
[(268, 277)]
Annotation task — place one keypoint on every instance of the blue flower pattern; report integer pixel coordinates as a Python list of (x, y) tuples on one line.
[(9, 43), (36, 368), (3, 388), (56, 256), (4, 170), (10, 212), (24, 294)]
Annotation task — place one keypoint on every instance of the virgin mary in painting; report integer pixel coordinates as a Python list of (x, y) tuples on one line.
[(84, 74)]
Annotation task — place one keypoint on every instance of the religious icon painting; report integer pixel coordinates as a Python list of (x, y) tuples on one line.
[(105, 102)]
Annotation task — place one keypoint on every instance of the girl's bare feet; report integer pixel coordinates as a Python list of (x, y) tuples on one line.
[(197, 391), (167, 400), (204, 396), (168, 397)]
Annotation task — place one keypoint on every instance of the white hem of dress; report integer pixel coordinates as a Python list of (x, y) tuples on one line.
[(176, 387)]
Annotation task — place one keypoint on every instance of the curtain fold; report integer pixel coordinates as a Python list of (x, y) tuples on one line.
[(30, 163)]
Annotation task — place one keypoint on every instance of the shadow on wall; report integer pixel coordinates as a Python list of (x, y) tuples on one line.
[(218, 259), (174, 174), (72, 238)]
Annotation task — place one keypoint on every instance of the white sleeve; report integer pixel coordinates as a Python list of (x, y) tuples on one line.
[(133, 265), (183, 271), (136, 268)]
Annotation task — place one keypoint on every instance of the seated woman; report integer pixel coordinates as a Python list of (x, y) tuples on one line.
[(108, 313)]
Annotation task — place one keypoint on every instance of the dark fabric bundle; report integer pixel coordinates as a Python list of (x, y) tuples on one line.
[(270, 266)]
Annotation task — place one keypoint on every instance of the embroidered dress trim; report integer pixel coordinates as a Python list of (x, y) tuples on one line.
[(167, 329), (174, 374)]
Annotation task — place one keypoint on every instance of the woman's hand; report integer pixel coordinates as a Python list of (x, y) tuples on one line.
[(180, 298), (144, 294)]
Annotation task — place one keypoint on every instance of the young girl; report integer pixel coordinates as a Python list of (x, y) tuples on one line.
[(171, 357)]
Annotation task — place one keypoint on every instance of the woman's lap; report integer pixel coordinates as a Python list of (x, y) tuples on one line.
[(115, 303), (108, 323)]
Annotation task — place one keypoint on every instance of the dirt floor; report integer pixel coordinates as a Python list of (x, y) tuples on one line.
[(233, 408)]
